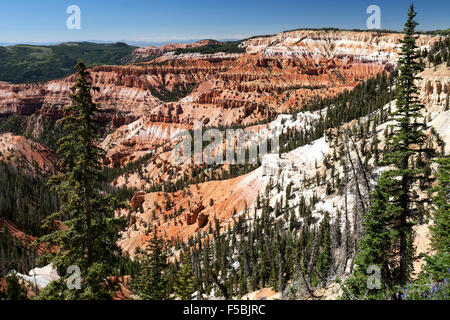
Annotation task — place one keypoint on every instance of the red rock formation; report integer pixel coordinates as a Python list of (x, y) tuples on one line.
[(26, 154), (29, 105), (137, 199), (192, 217), (202, 220), (228, 195)]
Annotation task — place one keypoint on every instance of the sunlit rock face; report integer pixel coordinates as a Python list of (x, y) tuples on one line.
[(275, 74)]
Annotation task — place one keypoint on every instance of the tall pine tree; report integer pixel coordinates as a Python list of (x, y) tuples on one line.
[(88, 238), (150, 282), (438, 265), (184, 286), (432, 282), (388, 240)]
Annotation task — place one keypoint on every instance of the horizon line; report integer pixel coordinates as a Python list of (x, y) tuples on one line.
[(192, 40)]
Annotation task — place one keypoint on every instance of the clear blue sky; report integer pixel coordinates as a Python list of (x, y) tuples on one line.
[(167, 20)]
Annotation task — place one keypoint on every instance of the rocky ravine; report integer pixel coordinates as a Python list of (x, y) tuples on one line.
[(27, 155), (278, 73), (298, 168)]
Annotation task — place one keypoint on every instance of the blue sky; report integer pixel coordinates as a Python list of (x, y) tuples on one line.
[(25, 21)]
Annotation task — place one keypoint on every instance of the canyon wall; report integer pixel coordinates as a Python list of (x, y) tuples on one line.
[(275, 74)]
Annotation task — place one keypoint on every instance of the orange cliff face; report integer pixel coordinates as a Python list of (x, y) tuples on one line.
[(181, 214), (30, 156), (277, 73)]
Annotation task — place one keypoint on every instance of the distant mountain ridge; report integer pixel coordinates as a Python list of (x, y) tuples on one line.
[(25, 63), (32, 63)]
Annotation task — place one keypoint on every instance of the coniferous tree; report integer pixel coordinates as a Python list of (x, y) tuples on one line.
[(432, 282), (437, 265), (242, 283), (184, 286), (388, 240), (89, 237), (324, 258), (14, 289), (150, 282)]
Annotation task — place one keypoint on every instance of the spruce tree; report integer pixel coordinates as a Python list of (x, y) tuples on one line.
[(407, 144), (432, 282), (438, 265), (184, 285), (388, 240), (150, 282), (88, 238), (15, 290), (242, 283), (324, 258)]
